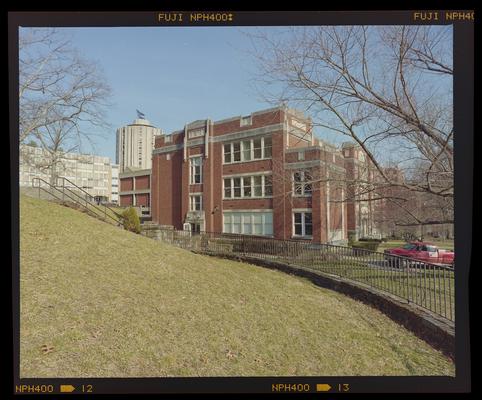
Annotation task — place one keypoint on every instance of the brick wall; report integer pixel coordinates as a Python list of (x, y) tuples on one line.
[(126, 184)]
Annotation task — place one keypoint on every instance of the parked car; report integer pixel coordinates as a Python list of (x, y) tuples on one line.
[(423, 251)]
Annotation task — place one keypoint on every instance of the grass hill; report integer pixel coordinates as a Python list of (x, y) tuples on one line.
[(98, 301)]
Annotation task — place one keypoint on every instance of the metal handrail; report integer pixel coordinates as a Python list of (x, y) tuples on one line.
[(70, 197), (426, 285), (87, 193)]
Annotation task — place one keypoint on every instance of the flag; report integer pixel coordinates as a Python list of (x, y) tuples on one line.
[(140, 115)]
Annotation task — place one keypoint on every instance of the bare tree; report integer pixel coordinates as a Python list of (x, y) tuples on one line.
[(388, 89), (62, 96)]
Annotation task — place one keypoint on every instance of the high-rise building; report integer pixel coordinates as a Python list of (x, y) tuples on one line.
[(134, 145), (115, 183), (90, 172)]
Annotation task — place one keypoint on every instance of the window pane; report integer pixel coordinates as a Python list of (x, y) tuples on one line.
[(247, 186), (197, 175), (237, 187), (247, 150), (258, 229), (257, 148), (237, 151), (297, 218), (267, 147), (308, 187), (247, 224), (268, 185), (308, 224), (268, 218), (257, 181), (257, 218), (268, 229), (298, 230), (227, 188), (227, 153)]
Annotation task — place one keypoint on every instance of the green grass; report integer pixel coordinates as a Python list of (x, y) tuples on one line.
[(109, 303), (431, 289)]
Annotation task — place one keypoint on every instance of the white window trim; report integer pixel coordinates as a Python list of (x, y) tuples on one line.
[(301, 211), (242, 223), (241, 177), (246, 121), (191, 166), (242, 160), (192, 202), (303, 185)]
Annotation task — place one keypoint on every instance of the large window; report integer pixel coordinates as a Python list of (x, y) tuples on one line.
[(248, 223), (302, 223), (195, 202), (195, 170), (302, 184), (248, 186), (247, 150)]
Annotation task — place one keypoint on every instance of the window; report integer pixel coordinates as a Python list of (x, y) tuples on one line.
[(248, 186), (227, 188), (257, 149), (236, 224), (227, 153), (237, 187), (246, 121), (268, 185), (195, 203), (302, 224), (237, 151), (167, 139), (302, 184), (267, 147), (248, 223), (227, 222), (195, 170), (247, 150), (196, 133), (258, 185)]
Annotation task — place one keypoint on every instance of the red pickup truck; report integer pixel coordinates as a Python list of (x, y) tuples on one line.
[(423, 251)]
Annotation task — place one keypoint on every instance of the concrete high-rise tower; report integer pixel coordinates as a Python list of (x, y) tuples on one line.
[(134, 145)]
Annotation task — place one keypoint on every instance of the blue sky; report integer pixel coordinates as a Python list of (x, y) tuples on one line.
[(176, 75), (173, 75)]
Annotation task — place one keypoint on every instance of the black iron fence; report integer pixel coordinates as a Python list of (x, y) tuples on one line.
[(427, 285)]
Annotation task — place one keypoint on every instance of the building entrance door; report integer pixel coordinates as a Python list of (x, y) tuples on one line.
[(195, 228)]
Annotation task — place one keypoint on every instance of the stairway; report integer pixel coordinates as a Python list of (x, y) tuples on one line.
[(67, 193)]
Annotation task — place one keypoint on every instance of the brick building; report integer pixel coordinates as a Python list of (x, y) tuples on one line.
[(262, 174), (135, 190)]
